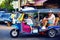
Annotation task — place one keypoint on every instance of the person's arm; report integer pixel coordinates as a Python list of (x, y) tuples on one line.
[(44, 19)]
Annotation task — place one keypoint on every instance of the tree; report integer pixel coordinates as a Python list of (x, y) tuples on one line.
[(7, 5)]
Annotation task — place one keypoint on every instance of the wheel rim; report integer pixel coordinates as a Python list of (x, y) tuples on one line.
[(14, 33), (52, 33)]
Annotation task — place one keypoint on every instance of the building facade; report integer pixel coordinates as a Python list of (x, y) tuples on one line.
[(29, 3)]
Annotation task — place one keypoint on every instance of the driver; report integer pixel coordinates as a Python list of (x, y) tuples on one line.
[(13, 16)]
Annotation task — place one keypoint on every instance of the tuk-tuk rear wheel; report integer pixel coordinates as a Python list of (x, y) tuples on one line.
[(51, 33)]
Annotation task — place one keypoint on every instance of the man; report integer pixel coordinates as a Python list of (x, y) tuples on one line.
[(13, 18), (48, 20)]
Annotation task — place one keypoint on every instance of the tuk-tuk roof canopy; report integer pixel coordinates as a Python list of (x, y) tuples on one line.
[(42, 10)]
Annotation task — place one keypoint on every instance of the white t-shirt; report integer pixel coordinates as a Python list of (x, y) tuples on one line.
[(29, 21), (52, 18), (14, 20)]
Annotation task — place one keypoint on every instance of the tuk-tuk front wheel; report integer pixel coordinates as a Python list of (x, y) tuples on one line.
[(14, 33)]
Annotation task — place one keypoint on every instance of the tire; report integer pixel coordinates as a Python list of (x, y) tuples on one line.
[(14, 33), (51, 33)]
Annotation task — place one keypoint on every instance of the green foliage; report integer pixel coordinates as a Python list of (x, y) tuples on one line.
[(3, 5), (7, 5), (35, 14)]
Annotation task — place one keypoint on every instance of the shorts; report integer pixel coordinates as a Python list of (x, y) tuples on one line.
[(50, 22)]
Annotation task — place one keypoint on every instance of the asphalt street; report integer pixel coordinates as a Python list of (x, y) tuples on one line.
[(5, 35)]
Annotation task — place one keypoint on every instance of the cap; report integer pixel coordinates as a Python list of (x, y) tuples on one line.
[(50, 11)]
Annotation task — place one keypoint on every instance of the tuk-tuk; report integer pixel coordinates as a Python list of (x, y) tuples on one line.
[(24, 28)]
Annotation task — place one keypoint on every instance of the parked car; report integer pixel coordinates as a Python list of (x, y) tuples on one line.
[(5, 17)]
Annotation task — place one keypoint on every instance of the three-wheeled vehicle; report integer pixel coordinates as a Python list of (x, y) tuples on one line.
[(24, 28)]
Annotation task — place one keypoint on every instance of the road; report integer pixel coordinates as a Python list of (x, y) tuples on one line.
[(4, 35)]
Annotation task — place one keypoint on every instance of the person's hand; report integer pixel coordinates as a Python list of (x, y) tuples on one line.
[(32, 28)]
